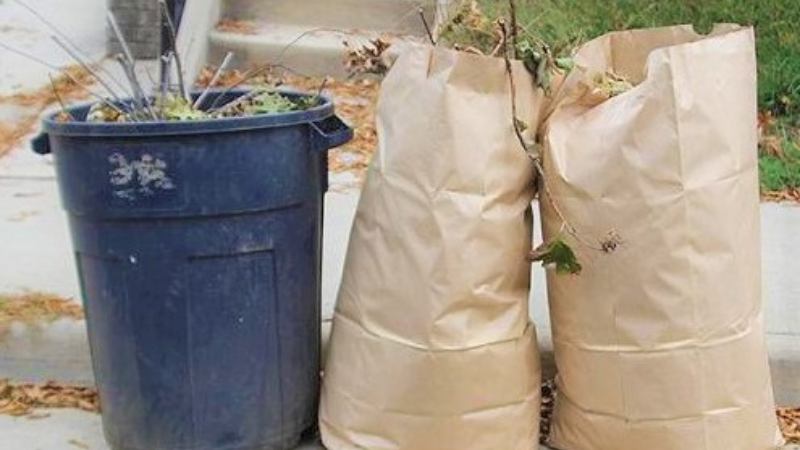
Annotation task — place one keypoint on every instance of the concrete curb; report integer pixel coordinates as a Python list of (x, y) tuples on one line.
[(60, 352)]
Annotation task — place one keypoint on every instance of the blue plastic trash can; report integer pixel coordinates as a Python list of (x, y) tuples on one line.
[(198, 247)]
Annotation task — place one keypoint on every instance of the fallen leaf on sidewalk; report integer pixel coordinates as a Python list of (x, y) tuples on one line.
[(36, 307), (238, 26), (28, 194), (22, 399), (788, 195), (22, 215), (77, 443), (548, 401), (789, 421), (37, 101)]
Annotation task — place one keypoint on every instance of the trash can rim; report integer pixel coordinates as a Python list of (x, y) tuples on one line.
[(165, 128)]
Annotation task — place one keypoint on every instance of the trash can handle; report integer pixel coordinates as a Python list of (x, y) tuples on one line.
[(41, 144), (329, 133)]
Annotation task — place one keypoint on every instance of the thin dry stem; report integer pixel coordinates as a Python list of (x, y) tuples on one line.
[(64, 72), (512, 6), (537, 164), (75, 49), (173, 36), (222, 68), (58, 98), (85, 66), (427, 26)]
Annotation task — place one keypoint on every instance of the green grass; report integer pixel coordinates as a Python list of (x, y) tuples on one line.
[(563, 23), (566, 23), (778, 174)]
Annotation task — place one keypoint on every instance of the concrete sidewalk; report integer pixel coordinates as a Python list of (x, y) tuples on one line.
[(36, 253), (66, 430)]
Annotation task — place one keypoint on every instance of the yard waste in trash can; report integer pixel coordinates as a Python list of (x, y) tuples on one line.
[(198, 246)]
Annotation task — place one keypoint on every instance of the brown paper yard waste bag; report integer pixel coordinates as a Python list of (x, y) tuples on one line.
[(432, 347), (660, 342)]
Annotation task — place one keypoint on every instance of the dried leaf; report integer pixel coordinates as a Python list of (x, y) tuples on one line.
[(789, 422), (238, 26), (771, 145), (610, 84), (36, 307), (469, 29), (787, 195), (34, 103), (370, 58), (22, 399), (79, 444)]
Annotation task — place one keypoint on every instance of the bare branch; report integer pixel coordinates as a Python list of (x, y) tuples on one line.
[(166, 73), (222, 67), (512, 7), (85, 67), (537, 164), (75, 52), (173, 35), (58, 98), (427, 27)]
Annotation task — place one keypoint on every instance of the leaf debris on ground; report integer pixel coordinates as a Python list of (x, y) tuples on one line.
[(34, 103), (789, 422), (36, 307), (786, 195), (79, 444), (228, 25), (21, 400), (546, 416)]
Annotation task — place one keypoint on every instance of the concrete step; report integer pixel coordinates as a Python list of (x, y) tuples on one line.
[(308, 51), (392, 16)]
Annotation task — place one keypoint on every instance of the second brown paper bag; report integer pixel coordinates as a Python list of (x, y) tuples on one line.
[(660, 342)]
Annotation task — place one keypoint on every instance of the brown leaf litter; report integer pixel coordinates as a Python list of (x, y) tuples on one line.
[(786, 195), (769, 142), (368, 58), (789, 421), (36, 307), (546, 417), (23, 399), (237, 26), (36, 102)]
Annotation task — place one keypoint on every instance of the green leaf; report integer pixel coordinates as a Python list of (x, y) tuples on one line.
[(520, 124), (559, 254), (565, 63), (529, 56), (270, 103), (176, 108)]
